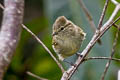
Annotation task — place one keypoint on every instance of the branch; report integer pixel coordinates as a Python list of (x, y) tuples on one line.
[(112, 53), (103, 14), (114, 2), (44, 46), (10, 32), (35, 76), (28, 30), (89, 17), (116, 26), (102, 58), (68, 74)]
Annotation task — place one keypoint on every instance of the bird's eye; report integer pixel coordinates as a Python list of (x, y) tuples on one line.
[(62, 28)]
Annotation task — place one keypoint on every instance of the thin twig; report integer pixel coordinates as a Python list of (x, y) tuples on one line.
[(87, 13), (90, 45), (34, 75), (116, 26), (102, 58), (89, 18), (112, 53), (68, 74), (114, 2), (58, 63), (28, 30), (103, 14)]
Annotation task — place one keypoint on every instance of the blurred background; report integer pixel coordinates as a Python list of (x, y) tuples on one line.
[(39, 17)]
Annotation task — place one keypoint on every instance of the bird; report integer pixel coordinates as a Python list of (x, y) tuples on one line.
[(67, 37)]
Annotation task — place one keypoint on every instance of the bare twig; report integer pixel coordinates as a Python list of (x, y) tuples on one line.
[(28, 30), (68, 74), (115, 2), (10, 31), (116, 26), (102, 58), (87, 13), (37, 77), (103, 14), (58, 63), (112, 53), (89, 17)]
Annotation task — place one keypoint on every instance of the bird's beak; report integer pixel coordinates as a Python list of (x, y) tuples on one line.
[(54, 33)]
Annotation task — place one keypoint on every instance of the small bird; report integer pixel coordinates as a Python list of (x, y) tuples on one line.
[(66, 37)]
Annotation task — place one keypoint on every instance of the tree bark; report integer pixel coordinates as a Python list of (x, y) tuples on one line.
[(10, 32)]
